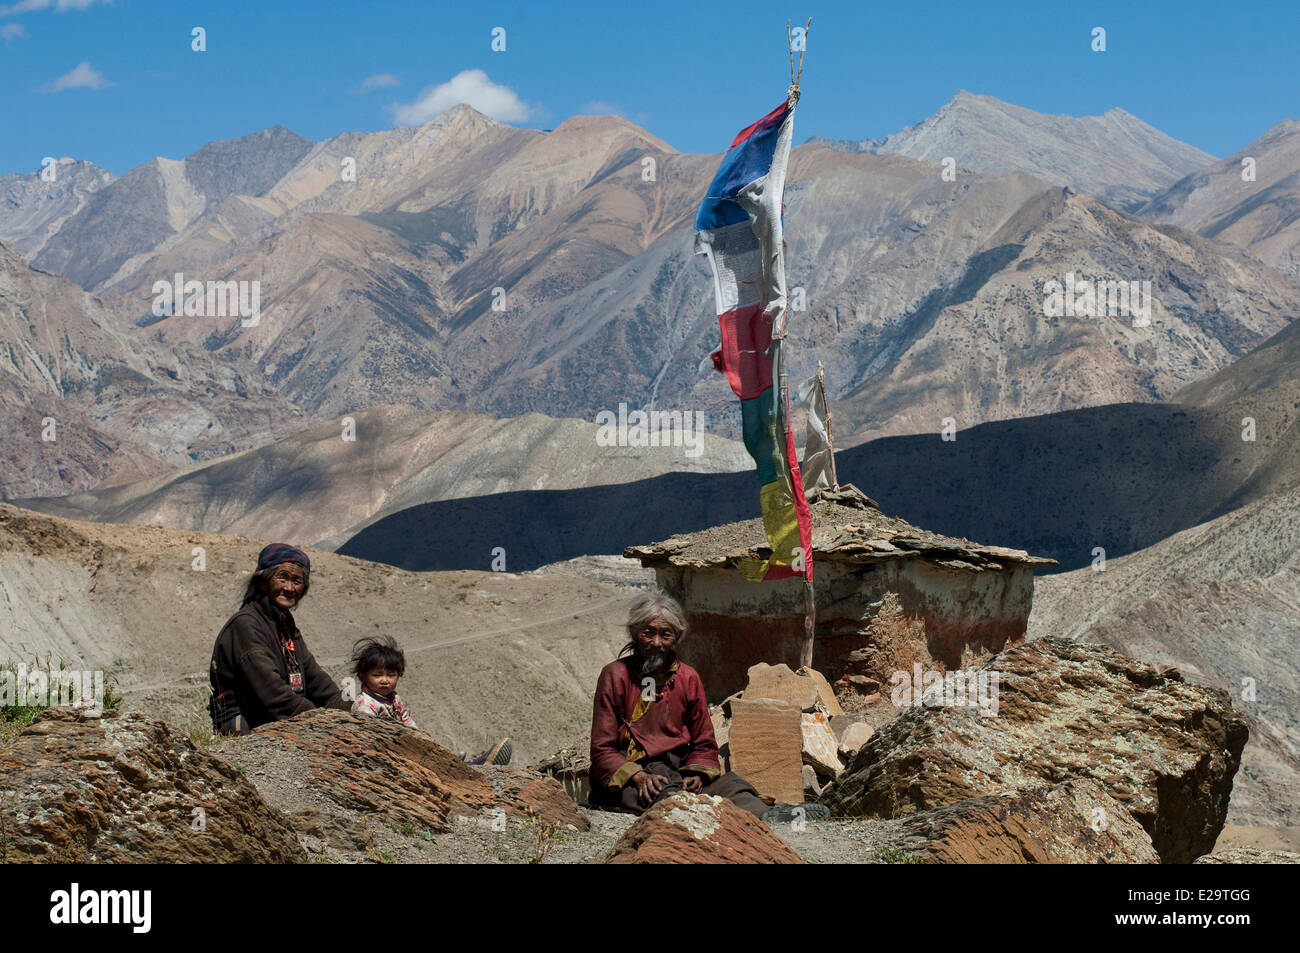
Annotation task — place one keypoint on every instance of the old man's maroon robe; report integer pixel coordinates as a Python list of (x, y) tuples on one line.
[(678, 718)]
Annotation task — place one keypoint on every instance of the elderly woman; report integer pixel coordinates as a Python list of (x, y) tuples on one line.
[(651, 734), (261, 668)]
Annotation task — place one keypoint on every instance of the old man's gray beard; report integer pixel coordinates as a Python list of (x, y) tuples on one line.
[(653, 662)]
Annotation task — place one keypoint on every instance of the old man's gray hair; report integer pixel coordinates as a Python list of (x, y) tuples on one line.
[(655, 605)]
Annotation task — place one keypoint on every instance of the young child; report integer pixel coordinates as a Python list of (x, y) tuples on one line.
[(378, 664)]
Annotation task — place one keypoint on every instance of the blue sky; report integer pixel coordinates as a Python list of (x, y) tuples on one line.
[(118, 83)]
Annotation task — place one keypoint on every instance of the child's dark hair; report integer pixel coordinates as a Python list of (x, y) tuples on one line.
[(379, 652)]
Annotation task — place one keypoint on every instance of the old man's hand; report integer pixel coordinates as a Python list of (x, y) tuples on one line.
[(648, 785), (692, 783)]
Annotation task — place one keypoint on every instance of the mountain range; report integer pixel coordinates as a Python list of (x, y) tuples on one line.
[(1251, 199), (1114, 157), (322, 488), (925, 298), (86, 401), (35, 207), (1119, 477)]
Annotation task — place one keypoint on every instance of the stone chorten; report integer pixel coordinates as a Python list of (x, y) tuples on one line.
[(968, 596)]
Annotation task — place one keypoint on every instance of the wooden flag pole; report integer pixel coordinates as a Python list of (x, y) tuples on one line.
[(830, 439), (809, 625), (809, 600), (789, 43)]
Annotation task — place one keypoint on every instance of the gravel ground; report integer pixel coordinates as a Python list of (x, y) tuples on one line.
[(473, 841), (836, 841)]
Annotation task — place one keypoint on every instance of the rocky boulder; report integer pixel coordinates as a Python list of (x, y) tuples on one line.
[(698, 829), (777, 681), (820, 749), (854, 738), (1164, 750), (126, 789), (1250, 855), (326, 760), (1075, 823), (765, 742), (827, 701)]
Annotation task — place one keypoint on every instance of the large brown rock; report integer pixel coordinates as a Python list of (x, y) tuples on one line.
[(1075, 823), (1250, 855), (766, 743), (542, 798), (855, 737), (819, 746), (400, 775), (777, 681), (828, 703), (698, 829), (1165, 750), (125, 789)]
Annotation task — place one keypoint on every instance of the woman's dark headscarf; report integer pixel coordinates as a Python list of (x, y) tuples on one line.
[(269, 558)]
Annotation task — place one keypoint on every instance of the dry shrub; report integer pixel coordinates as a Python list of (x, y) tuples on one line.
[(894, 643), (972, 657), (899, 642)]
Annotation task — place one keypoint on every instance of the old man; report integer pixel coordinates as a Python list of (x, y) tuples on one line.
[(651, 735)]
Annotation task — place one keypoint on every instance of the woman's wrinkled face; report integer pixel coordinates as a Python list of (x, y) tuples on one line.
[(286, 584)]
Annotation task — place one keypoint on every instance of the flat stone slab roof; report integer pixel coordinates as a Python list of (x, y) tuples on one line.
[(847, 526)]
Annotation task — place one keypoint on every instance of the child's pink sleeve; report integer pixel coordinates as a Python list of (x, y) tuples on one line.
[(403, 714)]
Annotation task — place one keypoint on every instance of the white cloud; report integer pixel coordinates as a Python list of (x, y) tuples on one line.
[(84, 76), (599, 107), (34, 6), (379, 81), (471, 87), (12, 31)]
